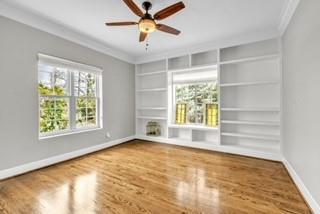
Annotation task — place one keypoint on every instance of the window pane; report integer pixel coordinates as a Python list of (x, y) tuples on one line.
[(195, 96), (54, 114), (85, 84), (60, 82), (91, 121), (86, 112), (53, 81)]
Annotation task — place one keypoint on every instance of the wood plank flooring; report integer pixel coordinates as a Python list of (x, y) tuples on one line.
[(146, 177)]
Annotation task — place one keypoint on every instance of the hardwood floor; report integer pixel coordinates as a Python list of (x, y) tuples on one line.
[(144, 177)]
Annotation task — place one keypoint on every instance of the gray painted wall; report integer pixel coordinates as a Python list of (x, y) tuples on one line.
[(301, 46), (19, 46)]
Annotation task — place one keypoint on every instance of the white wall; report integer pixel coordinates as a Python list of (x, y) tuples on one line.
[(301, 46), (19, 46)]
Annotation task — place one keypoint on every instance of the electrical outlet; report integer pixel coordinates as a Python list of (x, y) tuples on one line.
[(108, 135)]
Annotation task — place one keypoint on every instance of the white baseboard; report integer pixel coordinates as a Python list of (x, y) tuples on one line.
[(7, 173), (215, 147), (303, 189)]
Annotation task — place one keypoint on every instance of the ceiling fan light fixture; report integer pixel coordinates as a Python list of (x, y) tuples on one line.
[(147, 25)]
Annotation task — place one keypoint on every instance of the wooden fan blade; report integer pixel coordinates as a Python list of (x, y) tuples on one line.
[(143, 36), (162, 14), (168, 29), (120, 23), (134, 8)]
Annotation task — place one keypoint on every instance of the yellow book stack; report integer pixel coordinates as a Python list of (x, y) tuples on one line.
[(181, 113), (211, 115)]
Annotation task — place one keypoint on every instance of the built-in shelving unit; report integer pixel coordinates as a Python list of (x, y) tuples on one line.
[(250, 92), (151, 96), (249, 81)]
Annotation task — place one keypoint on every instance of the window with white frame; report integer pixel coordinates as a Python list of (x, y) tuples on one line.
[(69, 96), (195, 97)]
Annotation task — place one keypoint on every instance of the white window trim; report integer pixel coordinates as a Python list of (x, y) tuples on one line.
[(73, 66)]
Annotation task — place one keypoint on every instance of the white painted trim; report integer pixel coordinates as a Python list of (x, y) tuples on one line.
[(37, 21), (287, 14), (44, 59), (303, 189), (7, 173), (215, 147)]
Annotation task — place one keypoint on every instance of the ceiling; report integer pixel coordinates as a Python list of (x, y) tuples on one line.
[(202, 21)]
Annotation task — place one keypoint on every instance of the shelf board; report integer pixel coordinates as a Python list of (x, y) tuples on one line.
[(152, 90), (249, 83), (205, 142), (251, 109), (193, 127), (180, 139), (194, 68), (151, 138), (264, 149), (151, 118), (258, 123), (250, 59), (252, 136), (152, 108), (151, 73)]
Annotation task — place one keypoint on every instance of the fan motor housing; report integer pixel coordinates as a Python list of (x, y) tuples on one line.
[(147, 5)]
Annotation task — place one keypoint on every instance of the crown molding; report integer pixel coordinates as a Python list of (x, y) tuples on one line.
[(28, 18), (287, 14)]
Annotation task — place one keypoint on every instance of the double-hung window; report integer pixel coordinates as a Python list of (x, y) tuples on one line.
[(69, 96)]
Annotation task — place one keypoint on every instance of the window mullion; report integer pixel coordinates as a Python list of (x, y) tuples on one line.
[(72, 102), (98, 100)]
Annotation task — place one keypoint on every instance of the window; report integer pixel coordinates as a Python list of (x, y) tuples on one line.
[(69, 96), (195, 97)]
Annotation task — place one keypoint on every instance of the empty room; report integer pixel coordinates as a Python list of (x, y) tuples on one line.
[(159, 106)]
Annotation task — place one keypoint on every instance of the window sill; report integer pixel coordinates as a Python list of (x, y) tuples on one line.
[(60, 134), (194, 127)]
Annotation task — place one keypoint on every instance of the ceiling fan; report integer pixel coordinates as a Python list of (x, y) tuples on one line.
[(147, 23)]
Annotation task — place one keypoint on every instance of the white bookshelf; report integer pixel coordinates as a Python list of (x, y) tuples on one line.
[(151, 97), (249, 82), (250, 96)]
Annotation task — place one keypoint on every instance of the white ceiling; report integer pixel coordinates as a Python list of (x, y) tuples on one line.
[(201, 21)]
